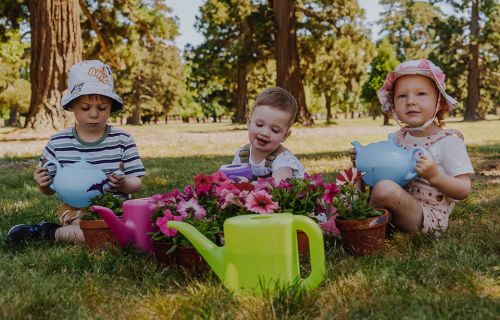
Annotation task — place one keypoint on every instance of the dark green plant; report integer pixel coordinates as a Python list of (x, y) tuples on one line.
[(107, 200)]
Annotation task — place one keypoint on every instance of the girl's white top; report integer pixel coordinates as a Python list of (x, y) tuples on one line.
[(286, 159), (449, 152)]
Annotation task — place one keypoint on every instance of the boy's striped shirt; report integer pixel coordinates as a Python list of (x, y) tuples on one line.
[(114, 147)]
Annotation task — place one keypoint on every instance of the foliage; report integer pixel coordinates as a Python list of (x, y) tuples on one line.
[(384, 62), (352, 201), (215, 198), (108, 200), (336, 53), (138, 35)]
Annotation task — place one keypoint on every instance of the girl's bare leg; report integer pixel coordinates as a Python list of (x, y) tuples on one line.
[(406, 210), (70, 233)]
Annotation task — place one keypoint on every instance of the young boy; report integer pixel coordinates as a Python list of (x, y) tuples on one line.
[(91, 98), (269, 125)]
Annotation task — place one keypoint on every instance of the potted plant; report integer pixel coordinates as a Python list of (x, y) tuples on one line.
[(362, 227), (95, 230), (214, 198)]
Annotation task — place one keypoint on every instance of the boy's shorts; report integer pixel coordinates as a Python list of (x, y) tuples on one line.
[(68, 214)]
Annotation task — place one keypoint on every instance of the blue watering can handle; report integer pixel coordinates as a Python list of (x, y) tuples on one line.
[(414, 158), (316, 250), (58, 167)]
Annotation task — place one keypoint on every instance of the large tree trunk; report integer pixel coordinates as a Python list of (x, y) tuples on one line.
[(386, 119), (472, 111), (287, 56), (56, 44), (241, 95)]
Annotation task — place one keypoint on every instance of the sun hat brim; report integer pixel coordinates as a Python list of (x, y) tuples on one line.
[(92, 88), (385, 93)]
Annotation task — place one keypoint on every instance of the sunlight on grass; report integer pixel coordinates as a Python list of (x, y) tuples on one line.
[(453, 276)]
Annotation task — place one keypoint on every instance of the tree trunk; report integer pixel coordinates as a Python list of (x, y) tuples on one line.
[(136, 113), (328, 106), (472, 111), (14, 117), (386, 119), (56, 44), (241, 95), (289, 75)]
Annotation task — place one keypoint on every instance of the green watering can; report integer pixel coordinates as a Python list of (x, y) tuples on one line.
[(260, 251)]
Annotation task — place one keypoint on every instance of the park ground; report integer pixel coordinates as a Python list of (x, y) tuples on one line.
[(455, 276)]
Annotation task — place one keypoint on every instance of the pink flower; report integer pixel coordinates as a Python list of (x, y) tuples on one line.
[(285, 184), (331, 191), (188, 192), (161, 222), (192, 206), (351, 175), (260, 202), (264, 184), (202, 184), (219, 177), (316, 179)]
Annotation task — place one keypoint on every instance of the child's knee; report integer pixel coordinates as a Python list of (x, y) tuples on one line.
[(385, 191)]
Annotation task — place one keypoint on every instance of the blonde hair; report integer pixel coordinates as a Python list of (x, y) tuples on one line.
[(279, 98)]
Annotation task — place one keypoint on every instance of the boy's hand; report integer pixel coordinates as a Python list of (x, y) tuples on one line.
[(42, 177), (427, 168), (116, 181), (352, 155)]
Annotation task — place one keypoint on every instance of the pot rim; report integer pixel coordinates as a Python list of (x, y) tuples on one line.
[(364, 224)]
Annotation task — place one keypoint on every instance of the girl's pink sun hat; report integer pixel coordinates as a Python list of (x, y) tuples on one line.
[(422, 67)]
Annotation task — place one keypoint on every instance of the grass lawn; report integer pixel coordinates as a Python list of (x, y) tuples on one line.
[(455, 276)]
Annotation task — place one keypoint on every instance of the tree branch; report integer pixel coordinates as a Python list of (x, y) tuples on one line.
[(93, 23)]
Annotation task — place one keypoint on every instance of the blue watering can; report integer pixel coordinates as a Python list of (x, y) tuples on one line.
[(386, 160), (77, 183)]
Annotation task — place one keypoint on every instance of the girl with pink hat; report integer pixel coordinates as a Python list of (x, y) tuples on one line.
[(414, 94)]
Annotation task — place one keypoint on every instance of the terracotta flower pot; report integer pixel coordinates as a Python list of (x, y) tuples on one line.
[(186, 258), (303, 243), (363, 237), (97, 234)]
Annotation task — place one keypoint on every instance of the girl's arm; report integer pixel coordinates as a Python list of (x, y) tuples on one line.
[(457, 188)]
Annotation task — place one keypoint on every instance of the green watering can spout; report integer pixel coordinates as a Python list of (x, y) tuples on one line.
[(213, 254)]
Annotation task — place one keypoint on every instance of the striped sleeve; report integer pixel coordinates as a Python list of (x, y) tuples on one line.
[(131, 159)]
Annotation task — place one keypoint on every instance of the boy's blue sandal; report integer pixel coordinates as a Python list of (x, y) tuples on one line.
[(39, 231)]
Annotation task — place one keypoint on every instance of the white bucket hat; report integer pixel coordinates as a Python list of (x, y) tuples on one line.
[(91, 77), (422, 67)]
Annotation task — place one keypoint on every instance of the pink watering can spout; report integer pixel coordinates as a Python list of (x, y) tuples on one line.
[(134, 227)]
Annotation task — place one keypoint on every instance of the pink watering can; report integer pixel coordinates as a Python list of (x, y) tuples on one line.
[(135, 225)]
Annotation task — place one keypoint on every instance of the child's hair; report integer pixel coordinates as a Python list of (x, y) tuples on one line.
[(279, 98), (91, 98)]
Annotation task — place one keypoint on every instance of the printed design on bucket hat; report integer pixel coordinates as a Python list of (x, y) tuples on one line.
[(99, 74), (77, 88)]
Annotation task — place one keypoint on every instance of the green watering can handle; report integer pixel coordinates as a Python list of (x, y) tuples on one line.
[(316, 250)]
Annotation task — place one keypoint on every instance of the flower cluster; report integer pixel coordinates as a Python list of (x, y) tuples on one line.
[(352, 201), (214, 198)]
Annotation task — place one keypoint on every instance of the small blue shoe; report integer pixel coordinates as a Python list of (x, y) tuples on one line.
[(25, 232)]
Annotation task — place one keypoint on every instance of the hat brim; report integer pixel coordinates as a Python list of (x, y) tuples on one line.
[(92, 88)]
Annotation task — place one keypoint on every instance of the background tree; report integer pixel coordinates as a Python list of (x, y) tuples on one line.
[(384, 62), (136, 37), (406, 23), (238, 39), (336, 52), (289, 74), (56, 44), (13, 77)]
